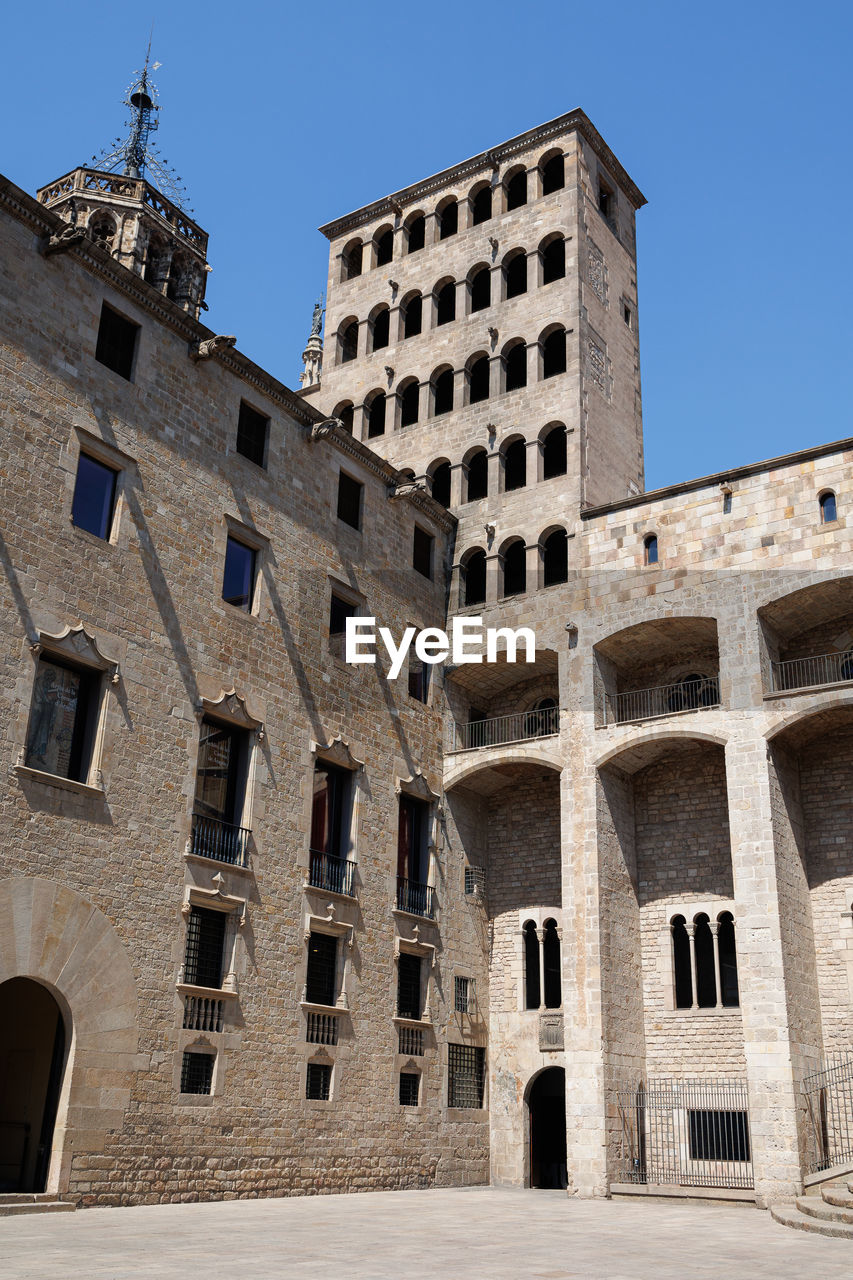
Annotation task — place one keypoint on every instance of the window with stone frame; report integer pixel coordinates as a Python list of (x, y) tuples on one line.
[(409, 986), (239, 574), (704, 961), (197, 1072), (350, 500), (321, 979), (318, 1081), (117, 341), (466, 1076), (409, 1088), (331, 815), (205, 947), (93, 505), (63, 718), (252, 434), (219, 802)]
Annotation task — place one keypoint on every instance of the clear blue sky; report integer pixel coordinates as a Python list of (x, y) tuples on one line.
[(733, 119)]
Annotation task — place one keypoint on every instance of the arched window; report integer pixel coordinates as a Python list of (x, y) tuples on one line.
[(409, 392), (157, 258), (445, 302), (532, 995), (515, 365), (552, 169), (729, 995), (481, 204), (515, 273), (650, 549), (681, 964), (480, 284), (553, 353), (442, 391), (351, 260), (415, 233), (376, 415), (448, 218), (412, 309), (344, 414), (555, 558), (514, 567), (478, 476), (542, 718), (552, 255), (706, 981), (515, 465), (828, 507), (380, 328), (478, 379), (551, 965), (554, 452), (383, 245), (347, 341), (439, 473), (102, 229), (475, 577), (515, 188)]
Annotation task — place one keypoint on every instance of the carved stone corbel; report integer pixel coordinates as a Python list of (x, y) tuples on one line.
[(209, 346), (68, 238)]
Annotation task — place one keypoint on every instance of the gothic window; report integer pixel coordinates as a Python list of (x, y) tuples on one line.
[(478, 379), (376, 415), (94, 496), (116, 345), (102, 229), (532, 992), (347, 341), (515, 365), (412, 309), (442, 391), (448, 218), (828, 507), (480, 283), (252, 432), (383, 244), (350, 498), (416, 233), (380, 328), (555, 558), (445, 303), (554, 452), (703, 951), (551, 965), (474, 568), (515, 189), (478, 476), (552, 255), (514, 568), (515, 465), (439, 473), (515, 273), (238, 580), (552, 170), (481, 204), (410, 393), (553, 346), (650, 549), (351, 260)]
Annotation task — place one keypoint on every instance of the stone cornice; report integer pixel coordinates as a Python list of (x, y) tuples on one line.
[(572, 121)]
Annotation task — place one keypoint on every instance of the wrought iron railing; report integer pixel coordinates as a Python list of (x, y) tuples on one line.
[(690, 1133), (322, 1028), (803, 673), (664, 700), (501, 730), (829, 1103), (419, 899), (212, 838), (202, 1013), (410, 1040), (334, 874)]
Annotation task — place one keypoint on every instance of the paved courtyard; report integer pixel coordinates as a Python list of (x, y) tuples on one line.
[(437, 1235)]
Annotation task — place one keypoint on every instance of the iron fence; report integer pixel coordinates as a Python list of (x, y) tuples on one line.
[(692, 694), (419, 899), (829, 1105), (803, 673), (690, 1133), (328, 872), (212, 838), (500, 730)]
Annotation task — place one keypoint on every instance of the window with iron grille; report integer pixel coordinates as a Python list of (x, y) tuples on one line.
[(463, 995), (719, 1135), (408, 986), (475, 880), (466, 1075), (197, 1073), (252, 429), (205, 943), (318, 1081), (116, 344), (409, 1087), (322, 968)]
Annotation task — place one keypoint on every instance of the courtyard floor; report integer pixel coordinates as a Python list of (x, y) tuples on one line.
[(481, 1232)]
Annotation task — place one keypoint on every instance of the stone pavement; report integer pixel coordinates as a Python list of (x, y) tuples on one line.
[(481, 1232)]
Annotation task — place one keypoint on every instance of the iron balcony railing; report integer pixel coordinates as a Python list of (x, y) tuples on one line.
[(336, 875), (500, 730), (665, 700), (804, 673), (212, 838), (419, 899), (689, 1133), (829, 1103), (202, 1013)]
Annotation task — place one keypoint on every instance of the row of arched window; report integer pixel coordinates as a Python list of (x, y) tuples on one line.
[(485, 199), (704, 961), (444, 300), (513, 461), (553, 562)]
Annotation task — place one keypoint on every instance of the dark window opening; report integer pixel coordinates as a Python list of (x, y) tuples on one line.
[(551, 965), (515, 569), (413, 317), (349, 500), (555, 558), (706, 982), (221, 772), (94, 496), (466, 1075), (321, 975), (443, 393), (441, 484), (516, 190), (339, 611), (515, 465), (553, 175), (419, 673), (532, 995), (422, 550), (481, 289), (330, 810), (318, 1081), (412, 833), (116, 344), (553, 261), (515, 365), (205, 943), (681, 964), (417, 234), (463, 995), (409, 1086), (238, 580), (384, 247), (626, 315), (381, 329), (516, 275), (554, 354), (719, 1135), (409, 404), (651, 549), (554, 453), (448, 220), (352, 260), (61, 731), (376, 416), (478, 380), (475, 578), (349, 342), (445, 304), (345, 417), (481, 206), (252, 429), (606, 201), (828, 508), (478, 476), (197, 1073), (729, 995), (409, 1000)]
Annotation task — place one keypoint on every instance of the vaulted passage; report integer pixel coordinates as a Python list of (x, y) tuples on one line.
[(546, 1105), (32, 1054)]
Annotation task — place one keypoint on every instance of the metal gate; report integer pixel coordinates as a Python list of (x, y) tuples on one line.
[(829, 1103)]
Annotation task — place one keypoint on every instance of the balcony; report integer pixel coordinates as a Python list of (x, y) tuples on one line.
[(693, 693), (502, 730), (809, 673), (222, 841), (202, 1013), (417, 899), (334, 875)]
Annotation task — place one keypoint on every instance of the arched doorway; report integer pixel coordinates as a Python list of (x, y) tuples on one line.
[(32, 1057), (546, 1105)]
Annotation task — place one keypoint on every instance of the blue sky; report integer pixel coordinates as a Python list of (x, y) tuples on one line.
[(733, 119)]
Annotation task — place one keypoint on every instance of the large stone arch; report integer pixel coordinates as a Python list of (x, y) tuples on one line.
[(464, 768), (54, 936)]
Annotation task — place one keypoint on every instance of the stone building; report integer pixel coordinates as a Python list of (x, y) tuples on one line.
[(271, 922)]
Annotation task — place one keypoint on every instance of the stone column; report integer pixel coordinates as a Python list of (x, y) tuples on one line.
[(532, 560), (493, 574), (457, 472), (532, 363), (495, 376), (694, 985), (534, 462), (493, 467), (540, 934), (714, 926)]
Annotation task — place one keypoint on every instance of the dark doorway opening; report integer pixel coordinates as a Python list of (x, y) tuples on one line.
[(32, 1056), (546, 1105)]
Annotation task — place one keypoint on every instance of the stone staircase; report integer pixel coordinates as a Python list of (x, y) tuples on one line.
[(827, 1210), (15, 1203)]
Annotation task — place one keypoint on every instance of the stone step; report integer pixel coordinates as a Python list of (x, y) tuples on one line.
[(839, 1196), (27, 1204), (790, 1216), (817, 1208), (25, 1197)]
